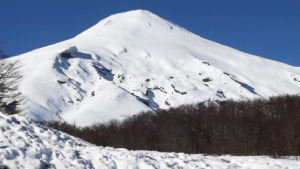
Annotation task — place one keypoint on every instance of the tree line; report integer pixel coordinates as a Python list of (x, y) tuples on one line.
[(244, 127)]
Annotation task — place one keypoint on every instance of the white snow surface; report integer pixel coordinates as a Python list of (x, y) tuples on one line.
[(137, 61), (28, 145)]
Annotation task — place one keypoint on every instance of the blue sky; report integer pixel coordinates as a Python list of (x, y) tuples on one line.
[(268, 28)]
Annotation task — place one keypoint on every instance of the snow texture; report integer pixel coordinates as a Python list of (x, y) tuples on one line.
[(27, 145), (137, 61)]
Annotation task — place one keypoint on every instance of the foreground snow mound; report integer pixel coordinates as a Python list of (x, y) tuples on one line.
[(137, 61), (24, 144)]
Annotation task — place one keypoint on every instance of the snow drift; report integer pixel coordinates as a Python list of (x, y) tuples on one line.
[(137, 61), (24, 144)]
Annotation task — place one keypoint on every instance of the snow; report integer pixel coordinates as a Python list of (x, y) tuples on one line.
[(25, 144), (136, 57)]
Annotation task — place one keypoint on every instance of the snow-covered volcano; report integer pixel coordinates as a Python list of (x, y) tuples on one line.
[(137, 61)]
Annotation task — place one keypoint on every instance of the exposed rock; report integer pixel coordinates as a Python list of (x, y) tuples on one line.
[(61, 82), (206, 63), (177, 91), (207, 79)]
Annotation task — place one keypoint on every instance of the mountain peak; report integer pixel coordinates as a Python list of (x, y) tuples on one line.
[(130, 21), (137, 12)]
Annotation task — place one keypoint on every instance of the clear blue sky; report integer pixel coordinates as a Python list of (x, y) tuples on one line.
[(268, 28)]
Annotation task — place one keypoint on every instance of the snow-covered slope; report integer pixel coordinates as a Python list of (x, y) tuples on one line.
[(27, 145), (137, 61)]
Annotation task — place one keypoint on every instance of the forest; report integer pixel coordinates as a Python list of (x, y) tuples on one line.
[(238, 127)]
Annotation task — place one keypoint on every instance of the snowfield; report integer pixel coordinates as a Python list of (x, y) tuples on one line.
[(27, 145), (137, 61)]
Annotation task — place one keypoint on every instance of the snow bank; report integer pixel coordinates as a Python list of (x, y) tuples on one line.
[(24, 144)]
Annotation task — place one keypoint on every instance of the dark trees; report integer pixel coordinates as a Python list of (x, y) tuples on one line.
[(245, 127)]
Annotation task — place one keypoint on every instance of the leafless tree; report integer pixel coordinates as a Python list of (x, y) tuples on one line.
[(10, 76)]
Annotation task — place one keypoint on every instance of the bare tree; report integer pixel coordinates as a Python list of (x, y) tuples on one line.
[(10, 76)]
